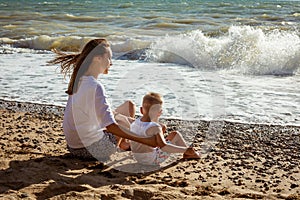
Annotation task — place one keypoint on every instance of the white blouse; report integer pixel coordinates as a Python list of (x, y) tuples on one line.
[(87, 113)]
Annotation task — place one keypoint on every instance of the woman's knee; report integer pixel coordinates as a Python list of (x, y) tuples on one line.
[(130, 103), (127, 108), (131, 108)]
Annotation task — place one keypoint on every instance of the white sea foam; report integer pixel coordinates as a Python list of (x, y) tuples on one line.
[(245, 50), (242, 50)]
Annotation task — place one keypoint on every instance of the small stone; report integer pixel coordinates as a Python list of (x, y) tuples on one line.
[(24, 195), (294, 185), (183, 184), (128, 193), (224, 192)]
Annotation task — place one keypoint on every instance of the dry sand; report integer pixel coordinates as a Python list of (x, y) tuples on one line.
[(244, 161)]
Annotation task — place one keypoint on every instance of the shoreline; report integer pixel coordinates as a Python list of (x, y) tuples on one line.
[(59, 110), (245, 161)]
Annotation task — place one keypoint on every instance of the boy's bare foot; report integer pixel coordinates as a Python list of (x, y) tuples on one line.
[(190, 153)]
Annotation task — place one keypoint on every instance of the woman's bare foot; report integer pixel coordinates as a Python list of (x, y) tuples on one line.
[(190, 153)]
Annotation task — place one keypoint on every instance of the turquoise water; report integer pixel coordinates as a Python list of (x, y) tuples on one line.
[(119, 20), (237, 60)]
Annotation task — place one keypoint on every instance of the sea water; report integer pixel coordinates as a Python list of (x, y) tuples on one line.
[(232, 60)]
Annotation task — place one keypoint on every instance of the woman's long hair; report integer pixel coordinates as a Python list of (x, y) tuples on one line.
[(78, 64)]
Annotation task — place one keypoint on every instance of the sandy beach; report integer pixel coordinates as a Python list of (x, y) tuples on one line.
[(248, 161)]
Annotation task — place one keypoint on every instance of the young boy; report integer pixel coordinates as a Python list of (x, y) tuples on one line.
[(148, 125)]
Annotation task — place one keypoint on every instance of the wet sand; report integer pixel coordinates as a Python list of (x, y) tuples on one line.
[(242, 161)]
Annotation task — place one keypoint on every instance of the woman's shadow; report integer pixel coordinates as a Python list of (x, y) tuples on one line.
[(57, 175)]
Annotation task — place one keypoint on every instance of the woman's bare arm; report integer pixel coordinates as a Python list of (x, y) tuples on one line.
[(153, 141)]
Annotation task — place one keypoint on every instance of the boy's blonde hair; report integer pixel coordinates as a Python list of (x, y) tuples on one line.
[(151, 99)]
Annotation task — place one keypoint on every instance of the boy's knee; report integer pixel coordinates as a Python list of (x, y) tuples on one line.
[(175, 133), (172, 135)]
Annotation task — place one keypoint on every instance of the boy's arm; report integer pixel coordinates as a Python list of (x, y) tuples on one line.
[(156, 130), (170, 148)]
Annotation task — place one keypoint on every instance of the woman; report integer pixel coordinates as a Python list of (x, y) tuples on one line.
[(89, 125)]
